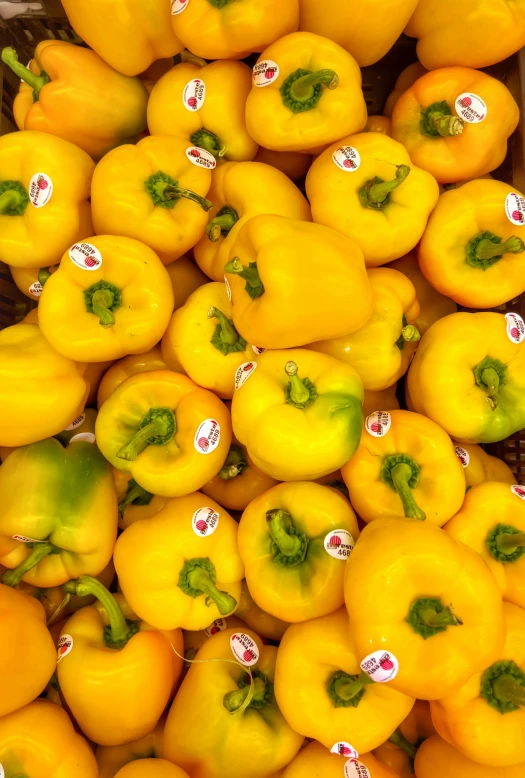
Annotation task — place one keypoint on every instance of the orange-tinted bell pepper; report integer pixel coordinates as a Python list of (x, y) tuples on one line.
[(151, 768), (399, 751), (379, 124), (185, 277), (480, 466), (405, 80), (110, 759), (292, 163), (126, 367), (436, 758)]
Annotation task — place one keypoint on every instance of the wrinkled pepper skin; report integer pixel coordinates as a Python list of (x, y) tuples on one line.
[(111, 759), (206, 737), (151, 768), (126, 367), (62, 499), (480, 466), (317, 670), (416, 728), (239, 191), (314, 99), (435, 757), (71, 92), (413, 591), (315, 759), (282, 536), (406, 78), (426, 121)]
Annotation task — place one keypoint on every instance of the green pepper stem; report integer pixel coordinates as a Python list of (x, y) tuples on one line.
[(410, 333), (38, 552), (510, 542), (445, 124), (157, 428), (43, 274), (401, 475), (101, 302), (432, 618), (279, 523), (302, 89), (234, 465), (399, 740), (9, 200), (428, 617), (507, 689), (166, 192), (377, 193), (487, 249), (347, 687), (10, 58), (254, 285), (208, 141), (228, 335), (490, 378), (119, 629), (176, 192), (232, 701), (135, 493), (221, 224), (299, 393), (200, 579)]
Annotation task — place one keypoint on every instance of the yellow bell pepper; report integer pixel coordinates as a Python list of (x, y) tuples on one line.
[(263, 623), (121, 305), (366, 187), (44, 195), (433, 305), (436, 758), (404, 81), (83, 428), (413, 592), (215, 96), (195, 639), (382, 349), (472, 249), (220, 29), (152, 192), (468, 375), (135, 503), (39, 740), (29, 362), (151, 768), (405, 464), (59, 604), (240, 191), (94, 374), (202, 338), (398, 752), (245, 730), (31, 280), (181, 567), (306, 93), (167, 432), (495, 31), (485, 717), (294, 540), (315, 760), (185, 278), (108, 29), (382, 124), (111, 758), (454, 123), (299, 414), (292, 163), (384, 400), (71, 92), (293, 283), (479, 466), (126, 367)]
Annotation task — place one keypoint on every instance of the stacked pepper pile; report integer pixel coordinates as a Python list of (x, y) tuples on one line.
[(225, 547)]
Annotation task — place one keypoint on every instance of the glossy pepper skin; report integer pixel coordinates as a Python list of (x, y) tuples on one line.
[(121, 307), (468, 376), (62, 500), (212, 699), (299, 414), (167, 432), (385, 400), (426, 121), (282, 537), (413, 591), (324, 695), (239, 191), (35, 230), (411, 469), (215, 122), (382, 202), (126, 367), (134, 502), (111, 759), (177, 574), (119, 674), (227, 30), (195, 639), (436, 757), (27, 360), (479, 466), (185, 278), (283, 296), (471, 250), (312, 99), (28, 655), (266, 625), (406, 78), (71, 92), (382, 349), (315, 759), (152, 192), (27, 279), (398, 752), (39, 740), (151, 768), (382, 124), (108, 30)]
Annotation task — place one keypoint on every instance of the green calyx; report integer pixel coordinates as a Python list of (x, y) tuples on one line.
[(166, 192), (13, 198), (135, 495), (157, 427), (208, 141), (103, 299), (303, 89), (288, 546), (300, 392), (234, 465), (198, 577), (43, 274), (257, 686), (491, 376), (221, 224), (506, 543), (219, 3), (38, 552), (226, 339), (503, 686), (409, 334), (254, 285), (401, 473), (485, 249), (347, 691), (340, 486), (437, 121), (119, 630), (428, 617), (399, 740), (10, 58), (375, 193)]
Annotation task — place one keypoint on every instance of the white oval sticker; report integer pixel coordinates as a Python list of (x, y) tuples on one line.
[(218, 626), (378, 423), (515, 208), (518, 490), (228, 288), (205, 521), (344, 749), (89, 437), (25, 539), (258, 350), (35, 290), (243, 372), (515, 327), (201, 157), (381, 666), (194, 94), (2, 772), (244, 649), (78, 421), (85, 256), (339, 543), (265, 72), (347, 158), (65, 646), (356, 769), (40, 190), (471, 107), (178, 6), (463, 456), (207, 436)]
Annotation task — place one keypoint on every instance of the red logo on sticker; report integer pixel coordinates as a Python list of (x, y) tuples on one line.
[(519, 491), (269, 72), (375, 427), (203, 443), (195, 153), (42, 183), (386, 663), (349, 163), (517, 216), (466, 102), (248, 655), (335, 541), (90, 262), (64, 648), (214, 630), (192, 102), (344, 750), (247, 366), (201, 525)]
